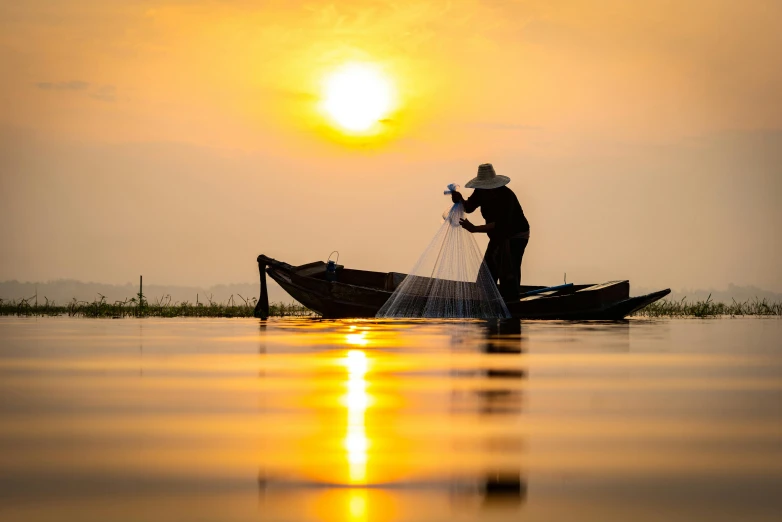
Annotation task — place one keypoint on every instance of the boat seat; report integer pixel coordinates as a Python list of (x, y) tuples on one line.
[(313, 269)]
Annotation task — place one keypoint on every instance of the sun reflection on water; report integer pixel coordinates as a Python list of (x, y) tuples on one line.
[(357, 339), (357, 401), (357, 504)]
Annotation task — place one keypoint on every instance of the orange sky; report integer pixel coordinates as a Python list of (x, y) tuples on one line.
[(179, 139)]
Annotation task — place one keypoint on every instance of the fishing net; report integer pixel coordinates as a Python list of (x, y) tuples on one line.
[(450, 279)]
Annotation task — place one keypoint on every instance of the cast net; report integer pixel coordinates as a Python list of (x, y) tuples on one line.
[(450, 279)]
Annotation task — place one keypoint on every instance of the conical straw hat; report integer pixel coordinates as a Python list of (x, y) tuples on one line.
[(487, 178)]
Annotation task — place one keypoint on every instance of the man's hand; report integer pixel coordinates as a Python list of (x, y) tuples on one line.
[(465, 223), (457, 197)]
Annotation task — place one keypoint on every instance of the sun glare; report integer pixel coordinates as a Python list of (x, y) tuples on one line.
[(357, 96)]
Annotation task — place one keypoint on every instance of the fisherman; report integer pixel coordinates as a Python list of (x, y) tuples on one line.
[(506, 226)]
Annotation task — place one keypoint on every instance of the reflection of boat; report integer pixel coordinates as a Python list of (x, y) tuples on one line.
[(361, 293)]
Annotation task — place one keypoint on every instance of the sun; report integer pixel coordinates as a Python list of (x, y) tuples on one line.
[(357, 96)]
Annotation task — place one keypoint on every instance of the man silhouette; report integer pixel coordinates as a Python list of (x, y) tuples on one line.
[(506, 226)]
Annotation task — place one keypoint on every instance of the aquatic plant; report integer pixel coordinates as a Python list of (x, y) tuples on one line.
[(709, 308), (139, 306), (164, 306)]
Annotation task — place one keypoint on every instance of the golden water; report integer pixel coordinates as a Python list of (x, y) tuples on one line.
[(226, 419)]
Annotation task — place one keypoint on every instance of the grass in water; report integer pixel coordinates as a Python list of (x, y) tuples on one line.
[(139, 306), (709, 308)]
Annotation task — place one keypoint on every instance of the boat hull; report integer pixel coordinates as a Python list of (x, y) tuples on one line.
[(308, 285)]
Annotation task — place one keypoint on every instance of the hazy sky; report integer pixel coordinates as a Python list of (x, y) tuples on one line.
[(179, 139)]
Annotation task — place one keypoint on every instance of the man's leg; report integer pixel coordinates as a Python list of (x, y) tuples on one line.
[(511, 278), (517, 248), (491, 258)]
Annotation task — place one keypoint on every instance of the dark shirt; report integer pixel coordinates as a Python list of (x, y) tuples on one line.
[(501, 207)]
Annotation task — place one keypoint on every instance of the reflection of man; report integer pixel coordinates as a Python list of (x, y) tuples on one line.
[(502, 337), (506, 226), (504, 488)]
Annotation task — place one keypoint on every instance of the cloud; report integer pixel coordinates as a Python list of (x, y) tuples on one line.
[(504, 126), (107, 93), (73, 85)]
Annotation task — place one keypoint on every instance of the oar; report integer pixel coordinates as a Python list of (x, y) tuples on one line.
[(541, 290)]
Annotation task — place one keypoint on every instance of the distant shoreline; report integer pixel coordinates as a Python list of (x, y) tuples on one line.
[(63, 291)]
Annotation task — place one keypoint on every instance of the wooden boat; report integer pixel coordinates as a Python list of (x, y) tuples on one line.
[(361, 293)]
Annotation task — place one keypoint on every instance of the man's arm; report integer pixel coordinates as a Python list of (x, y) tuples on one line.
[(469, 227), (470, 204)]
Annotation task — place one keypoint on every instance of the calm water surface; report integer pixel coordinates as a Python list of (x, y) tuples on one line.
[(226, 419)]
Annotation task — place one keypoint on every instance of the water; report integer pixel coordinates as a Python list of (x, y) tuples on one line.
[(207, 419)]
